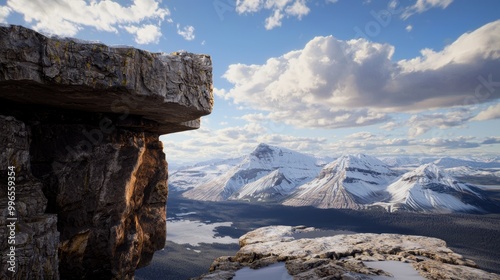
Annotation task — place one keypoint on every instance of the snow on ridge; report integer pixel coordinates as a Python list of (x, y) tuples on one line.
[(430, 188), (239, 181), (356, 181)]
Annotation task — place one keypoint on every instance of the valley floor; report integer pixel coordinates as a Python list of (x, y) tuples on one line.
[(474, 236)]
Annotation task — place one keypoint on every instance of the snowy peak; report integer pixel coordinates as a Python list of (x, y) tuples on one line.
[(431, 174), (272, 157), (359, 163), (355, 181), (267, 172), (431, 189), (351, 181), (427, 172)]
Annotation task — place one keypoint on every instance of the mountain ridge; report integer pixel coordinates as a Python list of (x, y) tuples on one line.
[(352, 181)]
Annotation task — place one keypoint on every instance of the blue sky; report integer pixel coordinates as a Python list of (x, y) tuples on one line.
[(323, 77)]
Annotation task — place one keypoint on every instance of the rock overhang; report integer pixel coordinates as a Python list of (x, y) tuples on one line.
[(169, 92)]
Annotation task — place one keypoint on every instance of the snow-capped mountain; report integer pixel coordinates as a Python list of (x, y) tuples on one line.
[(268, 173), (447, 162), (351, 181), (464, 171), (429, 188), (189, 177), (402, 161), (275, 174)]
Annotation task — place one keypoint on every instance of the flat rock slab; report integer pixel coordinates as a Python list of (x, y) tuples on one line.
[(344, 256), (169, 92)]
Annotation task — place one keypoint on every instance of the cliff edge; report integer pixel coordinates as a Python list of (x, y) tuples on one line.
[(81, 164)]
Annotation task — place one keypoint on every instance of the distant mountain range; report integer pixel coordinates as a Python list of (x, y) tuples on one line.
[(279, 175)]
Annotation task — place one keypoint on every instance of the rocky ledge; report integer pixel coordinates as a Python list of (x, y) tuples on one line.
[(344, 256), (80, 127)]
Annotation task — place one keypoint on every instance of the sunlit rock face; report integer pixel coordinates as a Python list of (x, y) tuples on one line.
[(81, 123), (344, 256)]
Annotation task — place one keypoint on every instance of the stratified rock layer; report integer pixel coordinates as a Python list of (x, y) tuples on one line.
[(36, 236), (170, 89), (81, 123), (344, 256)]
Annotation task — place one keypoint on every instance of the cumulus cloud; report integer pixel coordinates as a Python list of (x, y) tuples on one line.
[(4, 13), (492, 112), (279, 9), (420, 124), (332, 83), (187, 32), (67, 17), (145, 34), (457, 143), (234, 141), (424, 5), (360, 135), (409, 28), (391, 125)]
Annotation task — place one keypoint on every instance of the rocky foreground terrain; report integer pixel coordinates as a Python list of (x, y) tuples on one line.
[(344, 256)]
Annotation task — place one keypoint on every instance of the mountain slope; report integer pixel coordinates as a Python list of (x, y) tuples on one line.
[(189, 177), (351, 181), (430, 189), (267, 173)]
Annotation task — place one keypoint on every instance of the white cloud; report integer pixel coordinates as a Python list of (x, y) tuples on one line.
[(187, 32), (234, 141), (222, 93), (391, 125), (279, 9), (423, 5), (145, 34), (420, 124), (297, 9), (492, 112), (360, 135), (332, 83), (248, 6), (491, 140), (409, 28), (67, 17), (274, 20), (4, 13), (456, 143)]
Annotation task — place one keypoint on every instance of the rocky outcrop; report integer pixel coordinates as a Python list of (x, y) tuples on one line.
[(343, 256), (34, 234), (80, 125)]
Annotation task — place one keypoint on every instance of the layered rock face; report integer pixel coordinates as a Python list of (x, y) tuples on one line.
[(81, 124), (344, 256), (35, 233)]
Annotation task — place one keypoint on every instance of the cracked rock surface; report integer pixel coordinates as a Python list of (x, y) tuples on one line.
[(344, 256)]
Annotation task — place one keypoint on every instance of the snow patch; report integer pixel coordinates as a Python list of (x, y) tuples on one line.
[(195, 232)]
